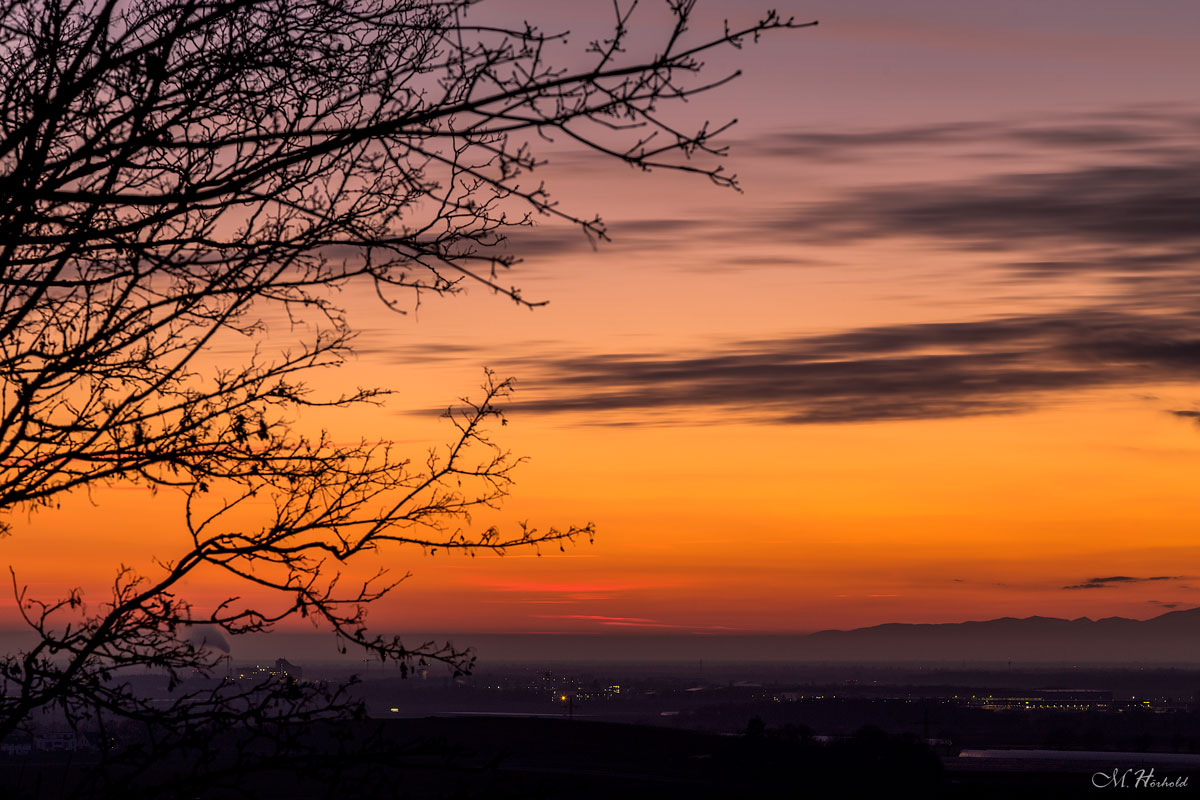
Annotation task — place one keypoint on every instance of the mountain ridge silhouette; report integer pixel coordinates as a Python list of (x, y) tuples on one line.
[(1173, 636)]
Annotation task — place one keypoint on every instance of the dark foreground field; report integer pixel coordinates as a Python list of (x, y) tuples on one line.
[(520, 758)]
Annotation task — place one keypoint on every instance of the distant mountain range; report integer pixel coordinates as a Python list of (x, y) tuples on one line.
[(1171, 637)]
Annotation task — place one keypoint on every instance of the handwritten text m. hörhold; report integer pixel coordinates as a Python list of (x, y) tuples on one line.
[(1136, 779)]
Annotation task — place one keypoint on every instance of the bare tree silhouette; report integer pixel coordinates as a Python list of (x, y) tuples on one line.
[(175, 175)]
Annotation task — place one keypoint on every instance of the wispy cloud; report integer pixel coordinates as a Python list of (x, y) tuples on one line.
[(910, 371), (1122, 207), (1134, 132), (1145, 205), (635, 622), (564, 588), (599, 618), (1118, 580)]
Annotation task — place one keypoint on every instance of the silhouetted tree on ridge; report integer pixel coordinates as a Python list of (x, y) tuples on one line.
[(177, 172)]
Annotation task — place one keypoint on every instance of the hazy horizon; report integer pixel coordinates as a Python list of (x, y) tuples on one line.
[(895, 642)]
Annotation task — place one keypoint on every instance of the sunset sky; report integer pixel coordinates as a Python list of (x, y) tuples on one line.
[(940, 361)]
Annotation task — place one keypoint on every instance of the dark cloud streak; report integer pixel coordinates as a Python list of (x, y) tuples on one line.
[(898, 372), (1118, 580), (1127, 205), (1133, 129)]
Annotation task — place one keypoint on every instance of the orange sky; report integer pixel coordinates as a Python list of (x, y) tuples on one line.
[(929, 367)]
